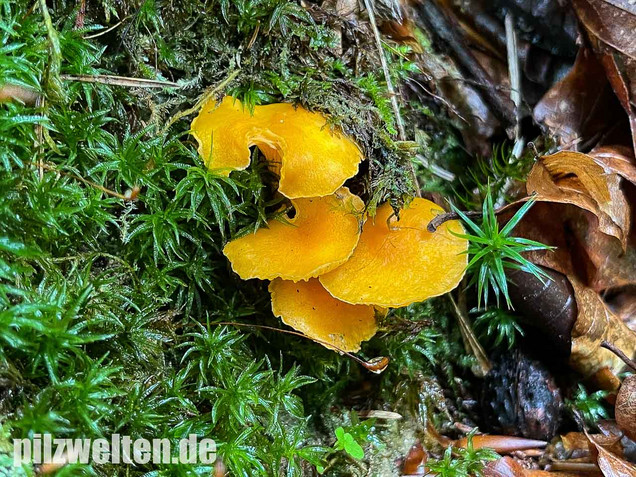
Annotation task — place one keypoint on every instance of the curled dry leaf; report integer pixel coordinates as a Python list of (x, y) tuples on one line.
[(616, 159), (574, 178), (595, 323), (610, 464), (601, 260), (626, 407)]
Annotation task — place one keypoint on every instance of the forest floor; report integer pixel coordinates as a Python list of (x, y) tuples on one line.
[(122, 310)]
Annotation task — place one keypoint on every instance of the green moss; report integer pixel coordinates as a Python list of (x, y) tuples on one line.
[(109, 308)]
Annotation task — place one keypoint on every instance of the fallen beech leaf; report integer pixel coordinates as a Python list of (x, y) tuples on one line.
[(581, 105), (602, 261), (610, 464), (501, 444), (607, 380), (595, 323), (626, 407), (574, 178)]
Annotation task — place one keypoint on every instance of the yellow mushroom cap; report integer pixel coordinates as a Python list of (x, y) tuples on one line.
[(310, 309), (400, 263), (311, 158), (321, 236)]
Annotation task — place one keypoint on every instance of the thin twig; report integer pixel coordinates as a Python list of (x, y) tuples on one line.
[(121, 81), (434, 224), (472, 343), (204, 97), (375, 365), (131, 195), (389, 86), (515, 81), (618, 352), (385, 69), (446, 29), (103, 32)]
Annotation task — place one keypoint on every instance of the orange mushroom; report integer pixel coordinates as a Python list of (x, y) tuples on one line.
[(397, 263), (311, 159), (310, 309), (321, 236)]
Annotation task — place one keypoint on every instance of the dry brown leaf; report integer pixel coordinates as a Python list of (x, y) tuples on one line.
[(11, 92), (575, 441), (575, 178), (504, 467), (580, 106), (606, 263), (623, 305), (611, 27), (509, 467), (414, 459), (626, 407), (610, 464), (618, 159), (595, 324)]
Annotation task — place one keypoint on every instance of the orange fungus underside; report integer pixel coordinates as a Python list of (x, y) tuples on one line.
[(311, 159), (397, 263), (321, 236), (310, 309)]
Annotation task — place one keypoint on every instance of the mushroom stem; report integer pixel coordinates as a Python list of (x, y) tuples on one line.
[(375, 365)]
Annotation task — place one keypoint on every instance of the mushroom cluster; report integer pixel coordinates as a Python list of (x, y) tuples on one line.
[(333, 271)]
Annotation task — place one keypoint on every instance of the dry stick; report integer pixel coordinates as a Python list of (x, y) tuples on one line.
[(618, 352), (103, 32), (445, 217), (207, 95), (470, 340), (389, 87), (121, 81), (447, 31), (515, 81), (131, 196), (375, 365)]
